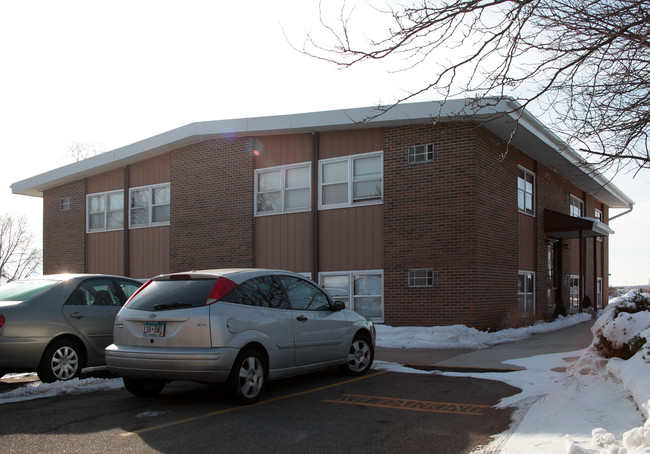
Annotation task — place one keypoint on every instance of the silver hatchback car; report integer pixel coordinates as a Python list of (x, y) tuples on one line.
[(238, 327)]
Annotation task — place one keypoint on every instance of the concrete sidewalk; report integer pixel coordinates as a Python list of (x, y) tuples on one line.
[(569, 339)]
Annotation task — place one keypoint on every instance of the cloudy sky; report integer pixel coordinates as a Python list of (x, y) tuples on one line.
[(113, 73)]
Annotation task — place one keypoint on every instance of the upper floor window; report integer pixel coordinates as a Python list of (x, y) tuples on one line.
[(149, 205), (577, 206), (65, 203), (526, 191), (283, 189), (105, 211), (352, 180), (420, 153)]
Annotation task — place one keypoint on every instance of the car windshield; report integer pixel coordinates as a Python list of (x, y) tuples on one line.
[(173, 294), (24, 290)]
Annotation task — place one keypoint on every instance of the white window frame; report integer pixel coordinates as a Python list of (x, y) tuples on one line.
[(573, 282), (524, 192), (350, 182), (576, 206), (351, 297), (105, 211), (150, 205), (529, 294), (420, 277), (283, 189), (419, 154)]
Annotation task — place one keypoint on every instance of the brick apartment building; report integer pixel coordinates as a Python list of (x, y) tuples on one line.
[(430, 214)]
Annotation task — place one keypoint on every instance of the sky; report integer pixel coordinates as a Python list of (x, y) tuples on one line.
[(609, 399), (109, 74)]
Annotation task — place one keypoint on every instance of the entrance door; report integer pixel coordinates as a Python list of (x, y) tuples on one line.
[(599, 293)]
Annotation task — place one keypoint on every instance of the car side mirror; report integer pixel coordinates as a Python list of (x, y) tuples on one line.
[(338, 306)]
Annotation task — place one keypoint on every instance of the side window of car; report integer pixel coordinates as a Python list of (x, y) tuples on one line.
[(303, 295), (95, 292), (260, 291), (128, 288)]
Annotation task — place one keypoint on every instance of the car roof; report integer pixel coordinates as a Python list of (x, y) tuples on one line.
[(237, 275), (68, 276)]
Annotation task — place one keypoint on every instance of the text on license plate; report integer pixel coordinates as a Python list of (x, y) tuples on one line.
[(154, 329)]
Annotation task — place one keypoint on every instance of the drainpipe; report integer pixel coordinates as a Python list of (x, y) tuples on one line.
[(314, 205), (125, 209), (621, 214)]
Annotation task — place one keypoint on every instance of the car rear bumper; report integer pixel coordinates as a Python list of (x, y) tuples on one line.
[(196, 364)]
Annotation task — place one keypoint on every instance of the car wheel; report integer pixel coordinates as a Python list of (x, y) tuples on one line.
[(247, 377), (360, 356), (62, 360), (143, 388)]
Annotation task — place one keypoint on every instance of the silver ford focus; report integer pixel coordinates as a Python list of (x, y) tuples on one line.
[(58, 324), (238, 327)]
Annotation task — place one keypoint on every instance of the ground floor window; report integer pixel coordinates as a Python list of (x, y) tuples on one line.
[(574, 292), (361, 291), (526, 293)]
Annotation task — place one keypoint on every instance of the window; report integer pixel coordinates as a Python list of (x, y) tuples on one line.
[(65, 203), (303, 295), (526, 191), (95, 292), (260, 291), (420, 277), (526, 293), (105, 211), (283, 189), (574, 292), (149, 206), (361, 291), (350, 181), (420, 153), (577, 206), (598, 215)]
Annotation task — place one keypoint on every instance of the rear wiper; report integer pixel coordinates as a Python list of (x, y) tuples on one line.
[(170, 306)]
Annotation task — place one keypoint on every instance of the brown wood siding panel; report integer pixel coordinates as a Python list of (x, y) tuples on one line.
[(345, 143), (351, 239), (152, 171), (526, 242), (149, 252), (526, 161), (283, 242), (108, 181), (105, 253), (282, 150)]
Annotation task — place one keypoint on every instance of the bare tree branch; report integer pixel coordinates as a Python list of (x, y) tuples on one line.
[(18, 258)]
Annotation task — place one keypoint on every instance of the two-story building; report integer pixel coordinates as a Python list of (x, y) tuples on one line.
[(429, 214)]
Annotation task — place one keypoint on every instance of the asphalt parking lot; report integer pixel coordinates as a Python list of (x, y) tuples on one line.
[(322, 412)]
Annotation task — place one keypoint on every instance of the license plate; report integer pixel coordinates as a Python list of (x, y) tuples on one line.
[(154, 329)]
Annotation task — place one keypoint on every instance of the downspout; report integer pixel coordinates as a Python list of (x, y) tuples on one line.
[(621, 214), (126, 251), (315, 137)]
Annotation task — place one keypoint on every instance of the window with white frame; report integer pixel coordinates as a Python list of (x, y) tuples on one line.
[(577, 206), (526, 292), (361, 291), (574, 291), (420, 153), (352, 180), (420, 277), (149, 205), (65, 203), (105, 211), (283, 189), (526, 191)]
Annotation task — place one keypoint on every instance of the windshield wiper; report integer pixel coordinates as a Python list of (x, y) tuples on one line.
[(170, 306)]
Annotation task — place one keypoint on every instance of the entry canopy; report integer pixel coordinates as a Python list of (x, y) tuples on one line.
[(565, 227)]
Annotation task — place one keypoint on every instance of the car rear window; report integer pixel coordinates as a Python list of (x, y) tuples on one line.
[(174, 294), (23, 290)]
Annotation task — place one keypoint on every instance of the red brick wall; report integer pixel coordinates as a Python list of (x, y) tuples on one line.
[(64, 232), (212, 205)]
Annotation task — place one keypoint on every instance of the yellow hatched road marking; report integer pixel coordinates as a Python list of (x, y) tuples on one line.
[(242, 407), (413, 405)]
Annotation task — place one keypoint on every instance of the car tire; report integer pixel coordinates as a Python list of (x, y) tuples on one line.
[(360, 356), (142, 387), (62, 360), (247, 377)]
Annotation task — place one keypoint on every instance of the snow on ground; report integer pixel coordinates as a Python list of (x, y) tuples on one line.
[(596, 406)]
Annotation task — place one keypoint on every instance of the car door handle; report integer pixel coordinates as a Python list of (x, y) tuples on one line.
[(302, 318), (76, 315)]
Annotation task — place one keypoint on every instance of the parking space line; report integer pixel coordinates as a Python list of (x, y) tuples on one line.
[(241, 407), (411, 404)]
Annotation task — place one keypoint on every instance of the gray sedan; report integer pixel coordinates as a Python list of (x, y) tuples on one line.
[(58, 324), (238, 327)]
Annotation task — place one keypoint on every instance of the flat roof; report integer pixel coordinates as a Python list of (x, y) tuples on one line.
[(504, 117)]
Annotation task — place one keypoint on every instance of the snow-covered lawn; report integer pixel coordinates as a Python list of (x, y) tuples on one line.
[(597, 405)]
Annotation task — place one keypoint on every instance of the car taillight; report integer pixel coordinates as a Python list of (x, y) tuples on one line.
[(219, 290), (138, 291), (2, 320)]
